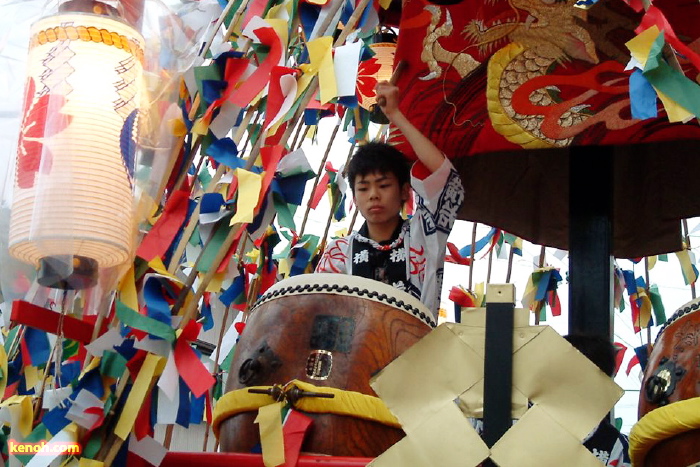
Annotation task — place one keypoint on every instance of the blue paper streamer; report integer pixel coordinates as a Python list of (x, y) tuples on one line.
[(642, 96), (183, 410), (38, 345), (224, 151), (236, 288)]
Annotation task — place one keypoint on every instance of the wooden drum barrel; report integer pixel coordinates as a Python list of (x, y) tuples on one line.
[(668, 431), (329, 330)]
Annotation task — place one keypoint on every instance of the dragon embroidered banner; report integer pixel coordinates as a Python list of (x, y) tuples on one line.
[(491, 81)]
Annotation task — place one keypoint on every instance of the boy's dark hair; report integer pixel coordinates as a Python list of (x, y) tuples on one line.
[(598, 349), (378, 157)]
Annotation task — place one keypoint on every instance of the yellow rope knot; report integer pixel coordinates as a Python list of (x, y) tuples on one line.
[(305, 397)]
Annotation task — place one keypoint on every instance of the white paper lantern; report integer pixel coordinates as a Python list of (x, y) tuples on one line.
[(378, 68), (72, 201)]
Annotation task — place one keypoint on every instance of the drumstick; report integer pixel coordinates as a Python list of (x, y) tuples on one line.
[(400, 67), (375, 110)]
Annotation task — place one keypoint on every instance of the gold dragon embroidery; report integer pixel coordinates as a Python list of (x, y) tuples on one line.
[(540, 34)]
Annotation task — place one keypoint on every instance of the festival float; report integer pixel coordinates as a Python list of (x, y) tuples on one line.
[(163, 224)]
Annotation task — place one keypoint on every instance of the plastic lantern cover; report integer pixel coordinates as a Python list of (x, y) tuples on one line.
[(86, 158), (75, 157), (376, 69)]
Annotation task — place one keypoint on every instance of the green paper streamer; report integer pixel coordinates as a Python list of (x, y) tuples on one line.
[(205, 73), (657, 305), (670, 81), (143, 323), (226, 364), (285, 218), (39, 434), (206, 259), (92, 447), (10, 339), (204, 176), (112, 364)]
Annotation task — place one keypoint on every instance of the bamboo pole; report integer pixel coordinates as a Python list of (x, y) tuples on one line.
[(686, 236), (196, 99), (296, 135), (235, 231), (490, 262), (332, 213), (318, 178), (510, 264), (541, 265), (472, 254), (648, 282), (55, 355), (194, 218), (216, 368)]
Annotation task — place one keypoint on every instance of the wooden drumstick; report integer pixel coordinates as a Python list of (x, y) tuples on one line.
[(400, 67)]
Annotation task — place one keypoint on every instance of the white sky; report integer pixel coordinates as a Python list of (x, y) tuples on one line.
[(15, 18)]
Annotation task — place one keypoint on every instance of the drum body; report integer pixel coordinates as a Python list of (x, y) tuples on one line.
[(328, 330), (672, 375)]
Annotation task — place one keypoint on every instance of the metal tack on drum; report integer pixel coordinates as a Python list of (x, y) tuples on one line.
[(319, 365)]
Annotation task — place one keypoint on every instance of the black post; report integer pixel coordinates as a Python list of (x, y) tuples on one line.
[(590, 240), (498, 366)]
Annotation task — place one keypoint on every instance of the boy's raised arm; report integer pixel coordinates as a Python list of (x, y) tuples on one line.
[(425, 150)]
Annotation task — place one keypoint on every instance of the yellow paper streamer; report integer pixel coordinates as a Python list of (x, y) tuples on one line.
[(85, 462), (269, 420), (686, 266), (651, 261), (127, 290), (640, 46), (480, 294), (157, 265), (675, 111), (31, 376), (215, 284), (249, 185), (152, 365), (284, 267), (3, 367), (21, 414), (644, 308), (178, 127), (308, 73), (321, 58), (200, 127)]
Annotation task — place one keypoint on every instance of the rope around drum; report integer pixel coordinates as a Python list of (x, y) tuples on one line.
[(663, 423), (340, 402)]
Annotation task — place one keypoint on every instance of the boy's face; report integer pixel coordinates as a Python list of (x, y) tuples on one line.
[(379, 197)]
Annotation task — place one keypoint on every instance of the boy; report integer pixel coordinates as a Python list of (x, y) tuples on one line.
[(408, 255)]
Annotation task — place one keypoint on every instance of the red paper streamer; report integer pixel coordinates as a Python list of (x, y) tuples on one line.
[(158, 240), (191, 369), (256, 82)]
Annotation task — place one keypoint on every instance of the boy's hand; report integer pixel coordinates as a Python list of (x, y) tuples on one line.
[(387, 98)]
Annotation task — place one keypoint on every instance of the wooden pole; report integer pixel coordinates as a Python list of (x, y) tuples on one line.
[(510, 264), (216, 367), (235, 231), (686, 236), (540, 265), (318, 178), (472, 254)]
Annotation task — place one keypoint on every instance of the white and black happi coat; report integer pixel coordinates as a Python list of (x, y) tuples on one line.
[(413, 260)]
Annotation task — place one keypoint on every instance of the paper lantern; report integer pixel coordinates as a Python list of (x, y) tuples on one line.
[(376, 69), (72, 205)]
